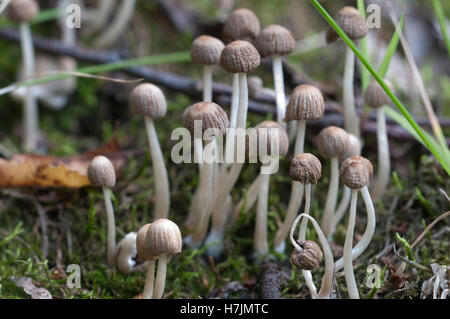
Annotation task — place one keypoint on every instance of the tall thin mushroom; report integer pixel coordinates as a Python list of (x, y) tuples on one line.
[(148, 100)]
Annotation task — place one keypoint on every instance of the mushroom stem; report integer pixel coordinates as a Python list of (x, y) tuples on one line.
[(384, 161), (277, 64), (198, 151), (348, 265), (207, 83), (30, 108), (243, 102), (249, 200), (351, 119), (300, 140), (260, 242), (234, 101), (111, 237), (102, 13), (160, 281), (361, 246), (330, 204), (215, 237), (340, 212), (304, 224), (162, 199), (149, 280)]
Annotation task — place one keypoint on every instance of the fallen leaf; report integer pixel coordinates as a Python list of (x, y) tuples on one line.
[(396, 277), (30, 289)]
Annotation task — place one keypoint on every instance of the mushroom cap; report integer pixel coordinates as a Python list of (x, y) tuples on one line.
[(163, 237), (148, 99), (306, 103), (101, 172), (354, 148), (210, 114), (309, 257), (275, 40), (331, 35), (239, 57), (241, 23), (255, 84), (306, 169), (375, 96), (332, 141), (142, 244), (356, 172), (351, 22), (23, 10), (206, 50), (275, 135)]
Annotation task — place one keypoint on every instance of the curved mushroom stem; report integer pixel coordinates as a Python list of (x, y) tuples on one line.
[(278, 79), (330, 204), (160, 281), (111, 237), (384, 160), (30, 108), (348, 265), (207, 83), (149, 280), (260, 242), (162, 197), (234, 101), (243, 102), (340, 212), (361, 246), (351, 119)]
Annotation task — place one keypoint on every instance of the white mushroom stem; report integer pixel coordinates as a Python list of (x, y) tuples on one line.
[(364, 242), (340, 212), (234, 101), (333, 188), (149, 280), (198, 151), (249, 200), (348, 260), (243, 102), (162, 197), (351, 119), (68, 34), (111, 235), (300, 140), (304, 224), (30, 108), (160, 281), (215, 237), (384, 161), (260, 241), (207, 83), (101, 14), (327, 279), (278, 78)]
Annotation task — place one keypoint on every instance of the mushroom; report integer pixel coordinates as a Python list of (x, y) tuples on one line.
[(354, 25), (306, 103), (23, 11), (277, 142), (375, 97), (101, 173), (142, 243), (148, 100), (214, 121), (276, 41), (355, 172), (332, 142), (125, 253), (162, 240)]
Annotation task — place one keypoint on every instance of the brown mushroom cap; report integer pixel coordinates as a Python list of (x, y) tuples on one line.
[(23, 10), (206, 50), (356, 172), (275, 40), (306, 103), (241, 23), (275, 135), (240, 57), (163, 237), (101, 172), (351, 22), (148, 99), (211, 115), (375, 96), (141, 244), (332, 141), (309, 257), (306, 169), (354, 148)]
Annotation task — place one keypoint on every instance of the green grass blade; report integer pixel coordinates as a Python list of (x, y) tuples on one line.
[(392, 47), (43, 16), (442, 22), (442, 160), (365, 75)]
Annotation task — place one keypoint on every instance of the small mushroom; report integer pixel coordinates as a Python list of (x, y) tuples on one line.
[(101, 173), (142, 246), (309, 257), (125, 253), (148, 100)]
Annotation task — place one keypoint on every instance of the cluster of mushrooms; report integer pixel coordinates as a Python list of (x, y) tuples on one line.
[(212, 208)]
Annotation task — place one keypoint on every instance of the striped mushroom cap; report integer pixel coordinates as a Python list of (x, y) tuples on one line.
[(142, 244), (275, 40), (23, 10), (306, 169), (352, 23), (309, 257), (356, 172), (148, 99), (241, 23), (163, 237), (206, 50), (375, 96), (354, 148), (275, 135), (211, 115), (332, 141), (240, 57), (306, 103), (101, 172)]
